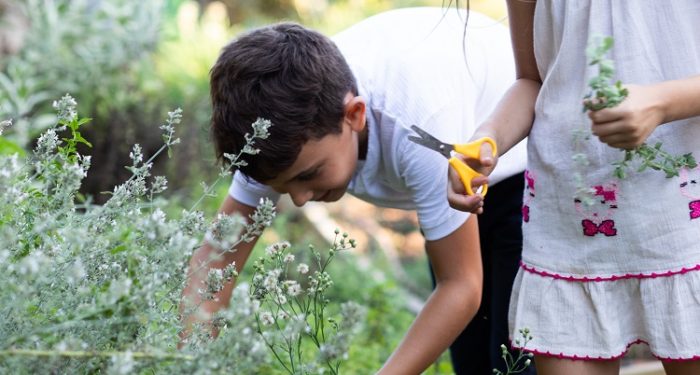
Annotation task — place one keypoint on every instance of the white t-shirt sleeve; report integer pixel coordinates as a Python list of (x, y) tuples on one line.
[(425, 174), (248, 191)]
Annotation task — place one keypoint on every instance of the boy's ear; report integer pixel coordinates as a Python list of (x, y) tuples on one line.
[(355, 112)]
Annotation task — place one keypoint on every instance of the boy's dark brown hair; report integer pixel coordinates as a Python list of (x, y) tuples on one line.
[(294, 77)]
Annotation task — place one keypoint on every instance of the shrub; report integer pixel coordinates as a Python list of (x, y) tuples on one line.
[(88, 288)]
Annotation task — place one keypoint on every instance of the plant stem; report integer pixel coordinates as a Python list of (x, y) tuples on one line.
[(90, 354)]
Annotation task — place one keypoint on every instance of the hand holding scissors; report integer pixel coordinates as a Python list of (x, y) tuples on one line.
[(470, 150)]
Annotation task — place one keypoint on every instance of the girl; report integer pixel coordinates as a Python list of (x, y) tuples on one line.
[(595, 280)]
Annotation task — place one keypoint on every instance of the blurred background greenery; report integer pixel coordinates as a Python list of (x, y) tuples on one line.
[(129, 62)]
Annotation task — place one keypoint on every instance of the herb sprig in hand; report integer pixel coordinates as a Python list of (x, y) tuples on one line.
[(606, 95)]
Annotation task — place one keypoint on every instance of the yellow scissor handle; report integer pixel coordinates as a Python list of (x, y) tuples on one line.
[(470, 150)]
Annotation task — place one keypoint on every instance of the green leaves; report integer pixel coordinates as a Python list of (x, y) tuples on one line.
[(606, 95), (8, 147), (603, 94), (654, 158)]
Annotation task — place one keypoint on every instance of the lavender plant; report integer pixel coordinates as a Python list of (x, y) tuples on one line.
[(87, 288), (607, 95)]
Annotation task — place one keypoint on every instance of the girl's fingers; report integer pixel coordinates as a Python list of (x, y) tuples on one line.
[(608, 128), (621, 140), (467, 203), (455, 183), (486, 154), (478, 181), (606, 115), (456, 194)]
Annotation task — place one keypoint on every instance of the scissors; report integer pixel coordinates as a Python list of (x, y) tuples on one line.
[(470, 150)]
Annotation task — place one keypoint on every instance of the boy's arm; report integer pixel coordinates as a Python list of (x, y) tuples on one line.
[(456, 262), (511, 120), (206, 258)]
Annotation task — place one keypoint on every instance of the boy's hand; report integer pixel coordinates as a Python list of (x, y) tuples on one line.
[(456, 193), (629, 124)]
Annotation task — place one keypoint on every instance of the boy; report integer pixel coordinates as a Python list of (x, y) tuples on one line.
[(341, 118)]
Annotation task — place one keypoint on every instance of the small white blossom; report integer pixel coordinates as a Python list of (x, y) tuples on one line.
[(65, 107), (302, 268), (267, 318), (136, 155), (292, 287), (158, 216)]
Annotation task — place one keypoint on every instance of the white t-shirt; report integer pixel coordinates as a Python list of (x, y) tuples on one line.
[(410, 67)]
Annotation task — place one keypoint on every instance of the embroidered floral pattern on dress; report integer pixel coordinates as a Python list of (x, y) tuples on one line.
[(529, 194), (598, 217), (691, 189)]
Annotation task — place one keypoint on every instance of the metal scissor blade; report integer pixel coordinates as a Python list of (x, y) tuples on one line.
[(430, 142)]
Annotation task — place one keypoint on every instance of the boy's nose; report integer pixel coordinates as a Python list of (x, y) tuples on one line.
[(300, 197)]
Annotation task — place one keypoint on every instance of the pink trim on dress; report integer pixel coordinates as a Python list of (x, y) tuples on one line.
[(589, 358), (652, 275)]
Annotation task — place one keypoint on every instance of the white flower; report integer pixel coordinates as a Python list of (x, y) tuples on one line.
[(271, 280), (136, 155), (267, 318), (158, 216), (292, 287), (302, 268)]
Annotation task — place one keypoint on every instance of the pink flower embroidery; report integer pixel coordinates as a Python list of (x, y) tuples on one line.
[(694, 209), (606, 227)]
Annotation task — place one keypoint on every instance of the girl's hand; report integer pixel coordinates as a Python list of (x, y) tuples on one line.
[(629, 124), (457, 194)]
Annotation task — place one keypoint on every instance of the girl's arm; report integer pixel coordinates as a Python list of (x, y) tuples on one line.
[(629, 124), (456, 262), (511, 120)]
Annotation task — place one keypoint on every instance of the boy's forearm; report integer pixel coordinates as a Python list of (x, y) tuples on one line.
[(511, 120), (193, 308), (448, 310), (456, 262)]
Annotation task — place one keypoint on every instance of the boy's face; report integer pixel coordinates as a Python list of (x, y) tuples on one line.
[(324, 167)]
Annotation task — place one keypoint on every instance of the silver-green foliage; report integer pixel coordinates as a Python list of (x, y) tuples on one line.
[(90, 288), (87, 288), (607, 95)]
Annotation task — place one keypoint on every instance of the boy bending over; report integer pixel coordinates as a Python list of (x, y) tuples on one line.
[(341, 111)]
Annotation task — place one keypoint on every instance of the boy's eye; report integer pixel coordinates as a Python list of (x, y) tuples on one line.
[(307, 176)]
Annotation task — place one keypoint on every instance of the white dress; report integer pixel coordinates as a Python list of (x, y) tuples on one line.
[(594, 281)]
